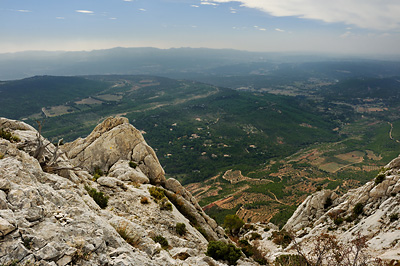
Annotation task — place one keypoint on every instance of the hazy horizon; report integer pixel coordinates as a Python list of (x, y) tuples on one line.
[(358, 27), (287, 54)]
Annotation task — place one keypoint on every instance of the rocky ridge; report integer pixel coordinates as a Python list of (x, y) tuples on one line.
[(49, 218), (370, 213)]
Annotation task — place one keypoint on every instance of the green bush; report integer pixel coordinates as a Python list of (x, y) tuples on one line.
[(165, 204), (394, 217), (255, 236), (160, 239), (8, 136), (1, 156), (338, 221), (379, 178), (180, 229), (328, 203), (132, 164), (261, 261), (233, 223), (219, 250), (97, 173), (98, 197), (246, 248), (156, 192), (349, 218), (27, 242), (358, 209)]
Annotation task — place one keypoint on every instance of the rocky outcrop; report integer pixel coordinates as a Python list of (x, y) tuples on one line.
[(123, 171), (113, 140), (370, 212), (310, 210), (50, 219)]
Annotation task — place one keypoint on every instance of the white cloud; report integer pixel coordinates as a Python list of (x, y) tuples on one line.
[(280, 30), (369, 14), (84, 11), (60, 18), (113, 18), (208, 3), (142, 9), (195, 6), (233, 12), (262, 29), (127, 0), (346, 34), (24, 11)]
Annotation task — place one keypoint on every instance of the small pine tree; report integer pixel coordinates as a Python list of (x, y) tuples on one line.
[(180, 229), (233, 223)]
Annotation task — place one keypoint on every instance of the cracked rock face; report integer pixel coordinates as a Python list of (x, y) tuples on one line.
[(49, 219), (312, 208)]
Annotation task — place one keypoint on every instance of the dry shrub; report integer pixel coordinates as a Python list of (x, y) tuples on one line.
[(80, 254), (144, 200), (127, 235), (282, 238), (326, 250)]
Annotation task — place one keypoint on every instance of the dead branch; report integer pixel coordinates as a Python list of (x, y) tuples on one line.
[(56, 154), (40, 148)]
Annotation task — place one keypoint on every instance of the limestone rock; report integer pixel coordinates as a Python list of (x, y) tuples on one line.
[(4, 184), (5, 227), (132, 233), (49, 218), (124, 172), (113, 140), (173, 185), (109, 182), (377, 219), (310, 210), (14, 125)]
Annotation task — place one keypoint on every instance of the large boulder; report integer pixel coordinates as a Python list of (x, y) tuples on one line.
[(113, 140), (125, 172)]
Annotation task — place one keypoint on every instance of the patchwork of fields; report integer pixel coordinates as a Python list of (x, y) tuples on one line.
[(254, 152)]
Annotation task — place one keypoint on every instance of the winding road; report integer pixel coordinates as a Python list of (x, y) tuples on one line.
[(390, 133)]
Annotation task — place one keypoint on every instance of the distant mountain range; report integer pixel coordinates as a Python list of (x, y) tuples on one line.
[(180, 63)]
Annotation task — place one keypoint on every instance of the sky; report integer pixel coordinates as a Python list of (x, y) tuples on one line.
[(316, 26)]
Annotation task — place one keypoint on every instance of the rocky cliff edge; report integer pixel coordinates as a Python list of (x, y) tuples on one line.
[(364, 221)]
